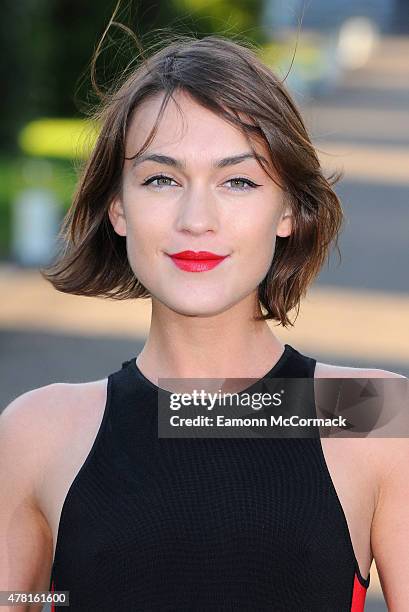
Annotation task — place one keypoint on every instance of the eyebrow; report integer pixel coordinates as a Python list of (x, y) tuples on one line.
[(181, 164)]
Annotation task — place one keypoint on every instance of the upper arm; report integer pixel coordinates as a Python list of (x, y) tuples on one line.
[(25, 537), (390, 527), (390, 523)]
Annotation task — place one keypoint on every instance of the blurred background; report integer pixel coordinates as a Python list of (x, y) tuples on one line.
[(350, 77)]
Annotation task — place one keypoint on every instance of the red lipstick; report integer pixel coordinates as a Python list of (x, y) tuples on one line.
[(196, 261)]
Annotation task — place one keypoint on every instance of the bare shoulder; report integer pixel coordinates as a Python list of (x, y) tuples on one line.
[(34, 422), (382, 449), (327, 370), (31, 411)]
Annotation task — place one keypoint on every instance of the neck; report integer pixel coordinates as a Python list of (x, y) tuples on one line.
[(228, 344)]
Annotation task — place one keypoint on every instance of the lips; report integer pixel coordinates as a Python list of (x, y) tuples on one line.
[(198, 255), (196, 261)]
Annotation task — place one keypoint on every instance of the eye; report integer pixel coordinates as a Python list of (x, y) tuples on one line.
[(239, 179), (159, 177), (238, 183)]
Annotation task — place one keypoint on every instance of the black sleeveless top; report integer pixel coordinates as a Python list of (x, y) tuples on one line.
[(202, 524)]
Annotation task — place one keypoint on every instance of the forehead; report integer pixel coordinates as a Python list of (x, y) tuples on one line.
[(194, 131)]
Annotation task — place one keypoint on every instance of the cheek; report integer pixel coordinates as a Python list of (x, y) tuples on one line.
[(141, 245), (257, 240), (145, 231)]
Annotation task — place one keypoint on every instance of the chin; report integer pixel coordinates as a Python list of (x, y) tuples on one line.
[(198, 308)]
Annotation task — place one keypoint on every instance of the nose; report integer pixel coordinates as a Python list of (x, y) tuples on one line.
[(197, 212)]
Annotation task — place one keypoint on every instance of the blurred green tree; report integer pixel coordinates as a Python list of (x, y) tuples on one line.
[(47, 46)]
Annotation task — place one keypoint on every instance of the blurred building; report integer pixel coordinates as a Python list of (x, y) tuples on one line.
[(387, 15)]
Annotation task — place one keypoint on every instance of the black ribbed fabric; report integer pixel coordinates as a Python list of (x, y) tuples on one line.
[(201, 524)]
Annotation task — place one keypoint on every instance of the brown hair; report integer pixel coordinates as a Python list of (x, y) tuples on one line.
[(228, 78)]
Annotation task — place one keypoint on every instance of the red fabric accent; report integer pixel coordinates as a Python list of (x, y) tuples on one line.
[(358, 596), (52, 591)]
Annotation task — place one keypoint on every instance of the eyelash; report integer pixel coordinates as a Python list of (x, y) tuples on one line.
[(251, 184)]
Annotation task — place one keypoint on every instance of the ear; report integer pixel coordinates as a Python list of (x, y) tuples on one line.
[(117, 217), (285, 223)]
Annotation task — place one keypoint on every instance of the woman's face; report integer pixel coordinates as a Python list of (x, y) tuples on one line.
[(198, 203)]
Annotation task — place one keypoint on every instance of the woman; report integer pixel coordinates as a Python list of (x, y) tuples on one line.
[(205, 194)]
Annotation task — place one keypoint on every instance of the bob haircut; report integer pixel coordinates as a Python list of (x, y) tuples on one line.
[(228, 78)]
